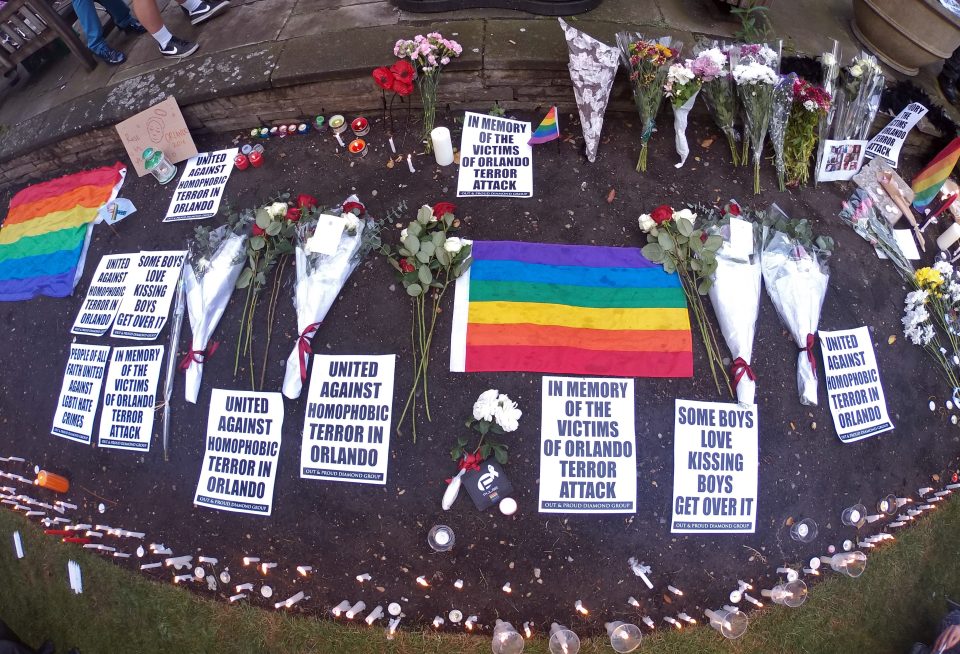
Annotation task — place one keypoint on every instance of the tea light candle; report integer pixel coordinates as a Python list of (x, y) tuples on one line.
[(304, 570), (360, 126), (410, 164), (266, 591), (274, 131), (340, 608), (437, 622), (355, 609), (199, 572), (282, 131), (225, 576), (949, 237), (358, 147), (675, 590), (507, 506), (647, 620), (442, 146), (264, 132), (338, 124), (578, 605), (735, 596), (455, 616), (458, 584), (292, 129), (320, 123), (393, 608), (374, 615), (303, 128), (364, 577)]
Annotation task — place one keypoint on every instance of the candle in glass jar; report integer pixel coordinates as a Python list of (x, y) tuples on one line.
[(241, 162), (256, 159)]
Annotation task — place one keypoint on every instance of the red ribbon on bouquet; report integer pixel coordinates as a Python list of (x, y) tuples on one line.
[(304, 344), (739, 369), (469, 462), (198, 356), (811, 341)]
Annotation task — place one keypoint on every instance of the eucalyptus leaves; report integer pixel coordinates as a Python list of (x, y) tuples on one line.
[(427, 260), (674, 242)]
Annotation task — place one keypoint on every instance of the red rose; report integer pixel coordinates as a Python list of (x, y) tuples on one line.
[(403, 71), (401, 88), (383, 78), (662, 214), (733, 209), (406, 266), (353, 206), (305, 201), (257, 231), (441, 208), (293, 214)]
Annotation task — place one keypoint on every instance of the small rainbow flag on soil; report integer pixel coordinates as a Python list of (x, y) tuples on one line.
[(929, 180), (44, 237), (548, 130), (572, 309)]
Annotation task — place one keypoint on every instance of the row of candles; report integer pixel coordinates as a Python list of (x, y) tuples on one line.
[(730, 621)]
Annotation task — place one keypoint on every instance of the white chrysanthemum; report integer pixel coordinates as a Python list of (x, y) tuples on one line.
[(917, 298), (350, 222), (507, 414), (856, 70), (679, 74), (403, 233), (944, 268), (754, 73), (928, 333), (486, 404)]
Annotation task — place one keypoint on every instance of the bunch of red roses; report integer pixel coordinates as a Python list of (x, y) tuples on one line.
[(397, 78)]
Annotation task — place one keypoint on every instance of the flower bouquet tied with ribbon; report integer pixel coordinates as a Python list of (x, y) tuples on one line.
[(796, 275), (712, 66), (427, 259), (674, 241), (648, 62), (430, 54), (214, 261), (682, 87), (326, 248), (755, 72)]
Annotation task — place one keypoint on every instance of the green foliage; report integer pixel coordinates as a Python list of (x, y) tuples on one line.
[(754, 26), (497, 110)]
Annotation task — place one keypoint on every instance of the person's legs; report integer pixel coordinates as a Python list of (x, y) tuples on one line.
[(121, 15), (93, 30), (149, 15)]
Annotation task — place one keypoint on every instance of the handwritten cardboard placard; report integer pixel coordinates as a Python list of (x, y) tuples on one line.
[(200, 188), (715, 468), (346, 429), (104, 295), (160, 127), (126, 422), (80, 393), (242, 448), (496, 159), (854, 390), (588, 458)]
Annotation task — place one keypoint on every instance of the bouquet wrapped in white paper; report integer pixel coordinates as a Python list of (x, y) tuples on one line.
[(735, 295), (320, 277), (215, 260), (796, 278), (682, 87)]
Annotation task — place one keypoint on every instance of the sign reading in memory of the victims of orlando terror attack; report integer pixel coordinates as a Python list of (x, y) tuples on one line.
[(496, 159), (242, 448), (126, 422), (587, 446), (346, 429)]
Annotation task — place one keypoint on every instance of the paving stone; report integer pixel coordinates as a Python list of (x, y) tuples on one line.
[(346, 19)]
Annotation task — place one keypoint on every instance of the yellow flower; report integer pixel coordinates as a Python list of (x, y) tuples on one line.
[(929, 279)]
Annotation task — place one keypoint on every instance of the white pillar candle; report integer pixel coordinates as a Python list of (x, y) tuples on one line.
[(527, 632), (290, 601), (578, 605), (942, 493), (410, 164), (34, 513), (93, 534), (672, 621), (121, 555), (239, 596), (632, 601), (949, 236), (247, 560), (438, 620), (923, 491), (647, 620), (340, 608), (207, 559), (355, 609), (686, 618), (304, 570), (443, 146), (468, 623), (364, 577), (181, 578), (266, 567), (148, 566), (392, 627), (423, 581), (752, 600), (393, 148), (18, 544), (374, 615)]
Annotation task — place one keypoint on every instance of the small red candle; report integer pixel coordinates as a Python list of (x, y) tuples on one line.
[(56, 532), (78, 541), (360, 126), (358, 147), (256, 159), (241, 162)]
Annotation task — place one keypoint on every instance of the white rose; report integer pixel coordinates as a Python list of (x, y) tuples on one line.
[(485, 405), (646, 222), (277, 209), (453, 245), (829, 59), (403, 233), (685, 213), (350, 222), (856, 70)]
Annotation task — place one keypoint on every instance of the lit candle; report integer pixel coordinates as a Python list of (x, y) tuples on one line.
[(392, 627), (952, 486), (423, 581), (340, 608), (442, 146), (180, 578), (686, 618), (923, 491), (675, 590), (864, 545), (374, 615), (266, 567), (942, 493), (753, 600), (290, 601), (578, 605), (790, 572), (358, 148), (364, 577), (304, 570), (355, 609), (903, 501), (437, 621), (811, 571), (239, 596), (632, 601), (672, 621), (360, 126), (458, 584), (507, 589), (647, 620), (91, 534), (527, 631), (207, 559), (410, 164), (241, 162), (894, 525), (470, 622), (256, 159), (247, 560)]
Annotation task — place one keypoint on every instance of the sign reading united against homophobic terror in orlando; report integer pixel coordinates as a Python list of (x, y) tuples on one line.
[(243, 445), (853, 384), (715, 463), (200, 188), (495, 158), (346, 429), (80, 393), (143, 311), (104, 295), (126, 422), (587, 446)]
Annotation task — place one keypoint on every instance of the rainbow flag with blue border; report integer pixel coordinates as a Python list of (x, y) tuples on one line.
[(44, 237), (569, 309), (928, 181), (548, 129)]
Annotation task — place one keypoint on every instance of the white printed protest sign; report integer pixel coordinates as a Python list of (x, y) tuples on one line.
[(852, 378), (126, 422), (888, 141), (143, 311), (80, 393), (587, 446), (715, 468), (242, 448), (346, 429), (200, 188), (496, 159), (104, 295)]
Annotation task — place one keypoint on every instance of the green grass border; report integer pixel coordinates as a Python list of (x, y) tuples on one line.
[(898, 599)]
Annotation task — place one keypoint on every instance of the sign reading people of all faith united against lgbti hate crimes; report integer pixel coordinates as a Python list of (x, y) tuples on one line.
[(243, 445), (588, 460), (496, 159), (80, 393), (573, 309)]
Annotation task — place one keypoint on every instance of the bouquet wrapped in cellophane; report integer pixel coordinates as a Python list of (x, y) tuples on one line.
[(320, 278), (712, 66), (782, 104), (755, 69), (857, 98)]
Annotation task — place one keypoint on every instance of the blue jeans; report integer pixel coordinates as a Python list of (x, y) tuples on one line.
[(90, 21)]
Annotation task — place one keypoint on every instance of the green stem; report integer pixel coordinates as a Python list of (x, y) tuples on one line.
[(243, 320), (756, 175), (733, 149), (642, 161), (413, 385), (271, 313)]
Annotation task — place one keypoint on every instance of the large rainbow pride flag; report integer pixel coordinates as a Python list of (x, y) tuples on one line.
[(575, 309), (44, 237)]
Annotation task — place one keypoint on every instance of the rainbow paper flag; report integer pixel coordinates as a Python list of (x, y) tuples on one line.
[(929, 180), (44, 238), (575, 309), (548, 130)]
